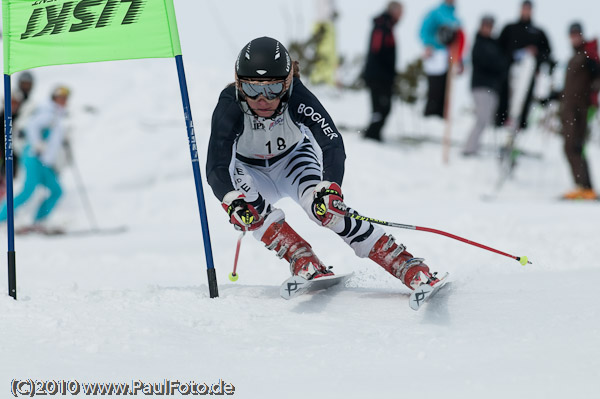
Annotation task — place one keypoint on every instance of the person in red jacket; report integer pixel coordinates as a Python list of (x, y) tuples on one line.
[(380, 70)]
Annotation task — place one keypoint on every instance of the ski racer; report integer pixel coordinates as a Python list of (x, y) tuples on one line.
[(271, 138)]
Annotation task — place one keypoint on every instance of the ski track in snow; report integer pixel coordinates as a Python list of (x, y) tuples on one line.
[(135, 305)]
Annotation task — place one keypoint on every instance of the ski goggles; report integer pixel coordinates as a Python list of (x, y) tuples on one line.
[(268, 89)]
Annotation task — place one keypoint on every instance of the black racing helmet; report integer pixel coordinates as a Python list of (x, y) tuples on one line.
[(263, 67)]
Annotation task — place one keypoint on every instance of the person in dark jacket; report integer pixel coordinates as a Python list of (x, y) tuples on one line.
[(18, 98), (516, 39), (489, 73), (582, 73), (380, 70)]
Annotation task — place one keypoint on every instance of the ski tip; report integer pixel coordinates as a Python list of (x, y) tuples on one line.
[(419, 296)]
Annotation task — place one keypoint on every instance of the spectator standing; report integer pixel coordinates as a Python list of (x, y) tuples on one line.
[(325, 69), (516, 39), (583, 73), (439, 30), (380, 70), (489, 73)]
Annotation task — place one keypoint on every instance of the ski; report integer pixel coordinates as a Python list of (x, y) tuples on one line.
[(425, 291), (58, 231), (296, 285), (578, 200)]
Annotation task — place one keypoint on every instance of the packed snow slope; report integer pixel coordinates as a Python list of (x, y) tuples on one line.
[(135, 305)]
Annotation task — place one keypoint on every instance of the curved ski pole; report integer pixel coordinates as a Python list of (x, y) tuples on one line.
[(521, 259), (233, 276)]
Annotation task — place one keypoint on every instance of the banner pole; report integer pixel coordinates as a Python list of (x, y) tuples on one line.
[(212, 277), (8, 159)]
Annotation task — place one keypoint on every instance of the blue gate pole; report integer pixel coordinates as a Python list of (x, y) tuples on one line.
[(212, 276), (8, 159)]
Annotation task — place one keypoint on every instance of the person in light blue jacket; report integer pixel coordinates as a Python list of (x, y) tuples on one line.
[(45, 133), (439, 29)]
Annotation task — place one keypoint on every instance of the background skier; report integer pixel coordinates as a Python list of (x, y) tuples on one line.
[(45, 133), (19, 98)]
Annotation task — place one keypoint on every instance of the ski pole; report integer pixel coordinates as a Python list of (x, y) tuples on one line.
[(521, 259), (81, 189), (233, 276)]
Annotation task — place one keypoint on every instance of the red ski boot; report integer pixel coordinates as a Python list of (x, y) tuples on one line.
[(281, 238), (399, 263)]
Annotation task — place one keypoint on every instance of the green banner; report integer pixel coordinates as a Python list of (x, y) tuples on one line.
[(54, 32)]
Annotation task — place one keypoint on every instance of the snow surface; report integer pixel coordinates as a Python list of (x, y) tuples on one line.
[(135, 305)]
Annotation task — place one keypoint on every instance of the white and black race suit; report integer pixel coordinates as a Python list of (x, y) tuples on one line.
[(286, 156)]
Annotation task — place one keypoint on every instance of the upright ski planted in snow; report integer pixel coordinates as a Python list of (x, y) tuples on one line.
[(522, 78)]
